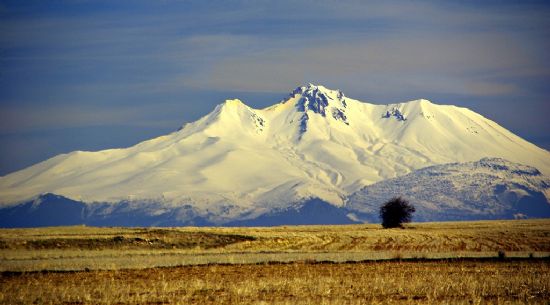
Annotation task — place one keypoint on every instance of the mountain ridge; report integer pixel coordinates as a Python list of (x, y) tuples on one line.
[(484, 189)]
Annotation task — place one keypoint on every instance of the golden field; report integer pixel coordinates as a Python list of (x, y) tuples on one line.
[(434, 263), (295, 283)]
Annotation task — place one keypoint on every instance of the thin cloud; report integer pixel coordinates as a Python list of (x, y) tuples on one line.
[(444, 65), (24, 119)]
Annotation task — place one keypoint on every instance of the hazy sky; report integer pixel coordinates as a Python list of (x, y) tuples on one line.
[(89, 75)]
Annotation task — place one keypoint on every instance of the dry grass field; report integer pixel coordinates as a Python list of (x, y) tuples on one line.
[(80, 248), (460, 282), (429, 263)]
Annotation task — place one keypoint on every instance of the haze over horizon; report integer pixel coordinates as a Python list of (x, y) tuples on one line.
[(91, 75)]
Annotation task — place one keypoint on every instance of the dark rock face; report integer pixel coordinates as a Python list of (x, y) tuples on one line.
[(313, 100), (339, 115), (395, 113)]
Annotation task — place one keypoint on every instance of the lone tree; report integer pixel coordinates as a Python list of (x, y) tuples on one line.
[(395, 212)]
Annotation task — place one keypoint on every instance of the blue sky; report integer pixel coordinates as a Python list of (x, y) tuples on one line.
[(89, 75)]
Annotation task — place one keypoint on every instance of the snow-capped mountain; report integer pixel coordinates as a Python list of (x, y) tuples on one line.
[(485, 189), (239, 163)]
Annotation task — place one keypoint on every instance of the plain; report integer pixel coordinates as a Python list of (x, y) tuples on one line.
[(497, 262)]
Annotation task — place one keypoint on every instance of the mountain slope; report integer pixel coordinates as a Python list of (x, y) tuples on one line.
[(485, 189), (491, 188), (239, 161)]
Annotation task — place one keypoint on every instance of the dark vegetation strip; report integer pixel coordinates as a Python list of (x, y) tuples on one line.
[(157, 239), (305, 262)]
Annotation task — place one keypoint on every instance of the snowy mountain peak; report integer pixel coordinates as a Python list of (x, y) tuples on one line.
[(402, 111), (310, 88), (316, 104), (231, 105), (420, 102), (317, 99)]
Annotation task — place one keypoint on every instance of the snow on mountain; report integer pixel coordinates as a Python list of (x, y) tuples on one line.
[(240, 162), (485, 189)]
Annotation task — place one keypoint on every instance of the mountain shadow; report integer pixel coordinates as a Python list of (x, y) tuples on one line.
[(310, 212), (47, 210)]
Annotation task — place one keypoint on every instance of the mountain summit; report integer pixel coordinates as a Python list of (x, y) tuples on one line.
[(237, 160)]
